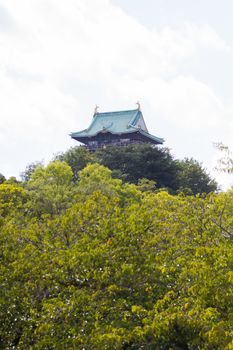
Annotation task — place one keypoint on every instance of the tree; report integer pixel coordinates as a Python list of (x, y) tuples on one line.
[(156, 274), (136, 162), (12, 197), (193, 178), (2, 178), (50, 188), (151, 271), (141, 161), (12, 181), (27, 173), (225, 163), (77, 158), (103, 264), (97, 178)]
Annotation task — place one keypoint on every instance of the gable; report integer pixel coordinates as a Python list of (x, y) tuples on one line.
[(141, 124)]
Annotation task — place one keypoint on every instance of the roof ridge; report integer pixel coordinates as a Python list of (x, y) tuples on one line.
[(117, 112)]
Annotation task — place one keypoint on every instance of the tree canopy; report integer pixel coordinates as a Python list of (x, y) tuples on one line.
[(2, 178), (193, 177), (136, 162), (100, 263)]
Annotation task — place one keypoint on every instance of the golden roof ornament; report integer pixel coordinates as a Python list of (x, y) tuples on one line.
[(96, 109), (139, 106)]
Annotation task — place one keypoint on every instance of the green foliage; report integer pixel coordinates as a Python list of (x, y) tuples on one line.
[(96, 177), (141, 161), (27, 173), (2, 178), (146, 185), (102, 264), (11, 197), (193, 178), (77, 158), (137, 162), (50, 188), (12, 181)]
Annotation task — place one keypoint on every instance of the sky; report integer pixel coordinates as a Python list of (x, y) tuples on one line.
[(58, 59)]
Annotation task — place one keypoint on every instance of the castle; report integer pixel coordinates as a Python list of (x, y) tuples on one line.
[(119, 128)]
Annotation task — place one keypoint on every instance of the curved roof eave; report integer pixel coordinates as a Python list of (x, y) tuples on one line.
[(155, 138)]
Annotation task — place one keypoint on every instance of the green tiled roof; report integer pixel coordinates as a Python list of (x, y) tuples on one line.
[(120, 122), (114, 122)]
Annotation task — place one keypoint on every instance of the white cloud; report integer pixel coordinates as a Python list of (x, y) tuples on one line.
[(206, 37), (57, 59)]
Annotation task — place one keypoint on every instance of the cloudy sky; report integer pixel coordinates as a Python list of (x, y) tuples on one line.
[(59, 58)]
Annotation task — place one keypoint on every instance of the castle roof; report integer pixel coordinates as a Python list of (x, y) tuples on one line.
[(118, 123)]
